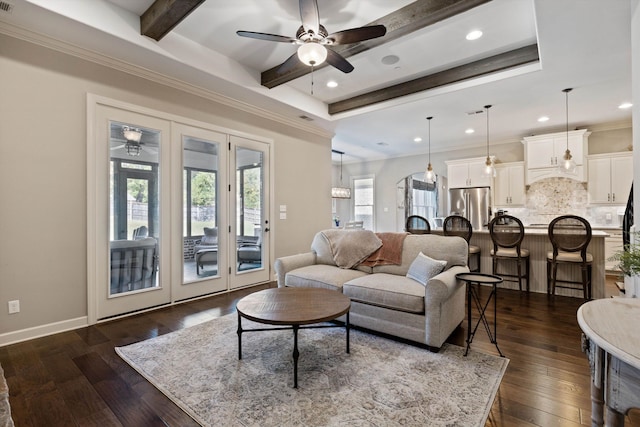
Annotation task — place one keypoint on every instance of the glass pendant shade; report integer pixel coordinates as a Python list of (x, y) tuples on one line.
[(312, 53), (341, 193), (489, 169), (429, 175), (568, 165)]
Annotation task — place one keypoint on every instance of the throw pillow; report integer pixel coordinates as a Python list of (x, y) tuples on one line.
[(424, 268), (210, 236)]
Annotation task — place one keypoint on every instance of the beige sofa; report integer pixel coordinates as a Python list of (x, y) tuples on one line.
[(383, 299)]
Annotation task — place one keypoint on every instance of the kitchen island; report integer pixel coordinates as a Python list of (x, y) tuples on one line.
[(536, 240)]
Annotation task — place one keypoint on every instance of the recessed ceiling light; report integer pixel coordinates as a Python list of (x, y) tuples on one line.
[(469, 131), (332, 83), (390, 59), (474, 35), (625, 105), (417, 139), (543, 119)]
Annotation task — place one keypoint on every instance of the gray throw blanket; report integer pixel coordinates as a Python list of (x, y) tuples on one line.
[(350, 247)]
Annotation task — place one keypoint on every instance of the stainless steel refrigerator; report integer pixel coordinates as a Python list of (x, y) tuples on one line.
[(473, 204)]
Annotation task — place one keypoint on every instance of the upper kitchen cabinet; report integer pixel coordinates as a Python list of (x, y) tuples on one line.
[(509, 186), (544, 153), (466, 173), (610, 177)]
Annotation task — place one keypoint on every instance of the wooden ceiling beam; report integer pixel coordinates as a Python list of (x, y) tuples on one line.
[(410, 18), (482, 67), (163, 15)]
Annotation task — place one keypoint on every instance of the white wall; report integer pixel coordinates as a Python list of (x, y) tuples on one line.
[(43, 174)]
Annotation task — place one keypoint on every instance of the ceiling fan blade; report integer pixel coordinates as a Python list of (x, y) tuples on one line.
[(336, 60), (117, 147), (289, 64), (310, 15), (356, 35), (265, 36)]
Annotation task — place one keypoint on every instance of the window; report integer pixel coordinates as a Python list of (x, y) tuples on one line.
[(200, 201), (363, 201)]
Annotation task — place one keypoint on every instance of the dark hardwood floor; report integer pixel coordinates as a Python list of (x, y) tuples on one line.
[(76, 379)]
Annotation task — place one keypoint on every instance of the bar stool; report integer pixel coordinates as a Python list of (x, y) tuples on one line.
[(417, 224), (507, 233), (456, 225), (570, 235)]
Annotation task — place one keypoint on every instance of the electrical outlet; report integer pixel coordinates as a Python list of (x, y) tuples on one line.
[(14, 306)]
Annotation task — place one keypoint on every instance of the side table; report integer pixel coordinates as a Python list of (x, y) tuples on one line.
[(474, 281)]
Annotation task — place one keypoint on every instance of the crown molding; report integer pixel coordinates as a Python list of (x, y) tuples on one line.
[(611, 126), (43, 40)]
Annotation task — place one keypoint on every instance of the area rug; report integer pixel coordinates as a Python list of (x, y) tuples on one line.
[(382, 382), (5, 409)]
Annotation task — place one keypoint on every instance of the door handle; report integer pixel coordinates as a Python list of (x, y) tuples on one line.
[(266, 229)]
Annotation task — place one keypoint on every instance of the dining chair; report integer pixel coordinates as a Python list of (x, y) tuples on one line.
[(507, 233), (456, 225), (570, 236), (416, 224)]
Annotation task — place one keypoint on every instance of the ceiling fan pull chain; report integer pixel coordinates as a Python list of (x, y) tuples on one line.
[(312, 79)]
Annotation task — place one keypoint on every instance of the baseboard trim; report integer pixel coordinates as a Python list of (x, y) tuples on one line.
[(42, 330)]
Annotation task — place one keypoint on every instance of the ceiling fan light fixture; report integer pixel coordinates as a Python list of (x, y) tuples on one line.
[(312, 53), (131, 134), (133, 148)]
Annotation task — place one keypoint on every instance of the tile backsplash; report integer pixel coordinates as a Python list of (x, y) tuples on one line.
[(551, 197)]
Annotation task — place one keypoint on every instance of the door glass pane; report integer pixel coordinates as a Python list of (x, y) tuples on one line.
[(363, 202), (200, 202), (134, 222), (249, 185)]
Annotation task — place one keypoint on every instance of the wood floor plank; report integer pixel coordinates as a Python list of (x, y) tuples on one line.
[(76, 378)]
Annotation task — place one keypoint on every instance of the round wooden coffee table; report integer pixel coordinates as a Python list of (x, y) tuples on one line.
[(295, 308)]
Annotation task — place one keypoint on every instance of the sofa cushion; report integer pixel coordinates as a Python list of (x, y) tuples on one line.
[(388, 291), (424, 268), (452, 249), (321, 276)]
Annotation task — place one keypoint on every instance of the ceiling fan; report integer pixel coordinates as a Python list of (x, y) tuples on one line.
[(314, 40), (133, 144)]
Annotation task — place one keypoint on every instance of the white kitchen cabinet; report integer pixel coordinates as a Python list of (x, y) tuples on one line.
[(509, 185), (544, 154), (610, 177), (466, 173)]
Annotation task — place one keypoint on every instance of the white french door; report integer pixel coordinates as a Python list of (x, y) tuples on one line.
[(250, 208), (130, 255), (200, 193), (176, 209)]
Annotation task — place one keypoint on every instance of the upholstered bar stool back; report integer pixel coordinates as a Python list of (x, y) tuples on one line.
[(417, 224), (507, 233), (570, 236), (456, 225)]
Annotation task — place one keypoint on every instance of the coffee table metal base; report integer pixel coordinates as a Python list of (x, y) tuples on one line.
[(295, 328)]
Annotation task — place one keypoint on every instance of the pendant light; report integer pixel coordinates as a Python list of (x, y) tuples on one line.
[(429, 175), (340, 192), (489, 170), (568, 165)]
